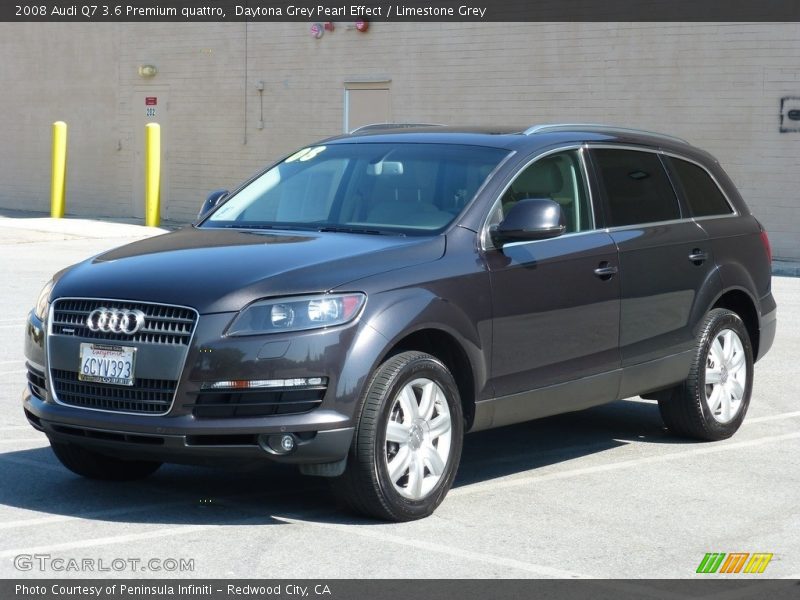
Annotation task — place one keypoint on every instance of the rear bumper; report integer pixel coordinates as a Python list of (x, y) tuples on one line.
[(766, 334), (321, 437)]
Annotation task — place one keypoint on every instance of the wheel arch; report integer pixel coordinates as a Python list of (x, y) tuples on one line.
[(444, 346), (740, 301)]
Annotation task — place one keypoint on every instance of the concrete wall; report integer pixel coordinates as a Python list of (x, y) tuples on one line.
[(717, 85)]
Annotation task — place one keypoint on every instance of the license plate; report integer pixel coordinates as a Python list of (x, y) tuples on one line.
[(106, 363)]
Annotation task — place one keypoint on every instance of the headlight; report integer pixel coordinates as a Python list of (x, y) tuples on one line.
[(297, 314), (43, 301)]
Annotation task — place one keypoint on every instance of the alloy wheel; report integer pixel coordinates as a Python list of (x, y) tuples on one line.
[(418, 438)]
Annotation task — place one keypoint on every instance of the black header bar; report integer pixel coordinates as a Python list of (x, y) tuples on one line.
[(409, 11)]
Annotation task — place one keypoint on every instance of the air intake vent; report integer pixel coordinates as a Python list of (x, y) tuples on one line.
[(147, 396), (36, 382)]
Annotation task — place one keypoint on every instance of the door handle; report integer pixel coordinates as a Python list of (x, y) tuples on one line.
[(605, 271), (698, 257)]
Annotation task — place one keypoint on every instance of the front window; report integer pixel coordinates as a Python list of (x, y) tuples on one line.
[(401, 188)]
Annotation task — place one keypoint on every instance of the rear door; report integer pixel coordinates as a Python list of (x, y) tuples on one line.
[(665, 257)]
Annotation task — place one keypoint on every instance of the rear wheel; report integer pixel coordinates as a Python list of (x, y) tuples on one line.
[(94, 465), (407, 443), (711, 404)]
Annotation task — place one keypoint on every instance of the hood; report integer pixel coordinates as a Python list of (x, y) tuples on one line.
[(221, 270)]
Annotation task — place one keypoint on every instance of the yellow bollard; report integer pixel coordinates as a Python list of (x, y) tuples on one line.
[(58, 181), (152, 177)]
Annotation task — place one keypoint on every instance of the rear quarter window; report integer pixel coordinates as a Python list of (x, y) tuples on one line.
[(702, 194)]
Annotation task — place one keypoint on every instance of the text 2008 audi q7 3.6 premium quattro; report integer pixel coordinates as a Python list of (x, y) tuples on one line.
[(360, 305)]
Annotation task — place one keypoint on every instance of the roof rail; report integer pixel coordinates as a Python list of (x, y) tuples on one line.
[(394, 126), (606, 128)]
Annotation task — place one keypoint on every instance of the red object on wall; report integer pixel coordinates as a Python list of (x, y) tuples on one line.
[(329, 26), (362, 25), (151, 101)]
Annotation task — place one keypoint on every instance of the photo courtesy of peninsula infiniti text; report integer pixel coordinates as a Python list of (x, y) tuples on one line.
[(357, 307)]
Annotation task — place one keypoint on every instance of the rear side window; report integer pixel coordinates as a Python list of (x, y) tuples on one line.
[(701, 192), (637, 189)]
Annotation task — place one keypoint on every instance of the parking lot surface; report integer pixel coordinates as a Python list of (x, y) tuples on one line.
[(606, 492)]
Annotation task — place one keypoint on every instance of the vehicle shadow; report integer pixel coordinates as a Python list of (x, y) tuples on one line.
[(271, 494)]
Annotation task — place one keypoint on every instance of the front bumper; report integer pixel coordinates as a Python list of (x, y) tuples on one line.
[(187, 434), (320, 440)]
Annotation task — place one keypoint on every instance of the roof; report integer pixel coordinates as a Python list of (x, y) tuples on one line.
[(512, 138)]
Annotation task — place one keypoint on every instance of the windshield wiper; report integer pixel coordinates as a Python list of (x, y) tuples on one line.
[(357, 230), (264, 226)]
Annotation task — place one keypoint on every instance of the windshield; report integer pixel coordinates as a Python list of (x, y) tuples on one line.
[(362, 187)]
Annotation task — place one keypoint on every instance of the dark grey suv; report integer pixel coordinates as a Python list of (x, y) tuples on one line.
[(360, 305)]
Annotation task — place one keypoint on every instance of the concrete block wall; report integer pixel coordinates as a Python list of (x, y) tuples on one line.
[(718, 85)]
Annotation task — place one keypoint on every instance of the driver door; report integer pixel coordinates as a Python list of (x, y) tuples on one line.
[(556, 302)]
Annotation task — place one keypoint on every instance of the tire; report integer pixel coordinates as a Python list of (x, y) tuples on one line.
[(94, 465), (392, 428), (712, 403)]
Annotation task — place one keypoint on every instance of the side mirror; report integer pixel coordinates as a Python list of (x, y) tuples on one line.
[(212, 200), (530, 219)]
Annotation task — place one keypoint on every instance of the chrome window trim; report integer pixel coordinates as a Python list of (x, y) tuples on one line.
[(49, 370), (733, 212), (485, 243), (457, 221), (585, 146), (560, 237), (651, 224), (673, 154)]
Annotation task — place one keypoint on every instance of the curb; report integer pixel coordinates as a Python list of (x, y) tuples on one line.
[(785, 268)]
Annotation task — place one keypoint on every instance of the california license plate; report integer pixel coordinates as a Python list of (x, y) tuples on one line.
[(106, 363)]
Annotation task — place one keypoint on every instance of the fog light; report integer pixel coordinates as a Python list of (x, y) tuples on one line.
[(287, 443), (277, 443)]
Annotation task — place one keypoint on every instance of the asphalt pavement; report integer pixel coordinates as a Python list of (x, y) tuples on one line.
[(606, 492)]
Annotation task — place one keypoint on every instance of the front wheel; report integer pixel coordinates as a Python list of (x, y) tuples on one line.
[(407, 444), (712, 402)]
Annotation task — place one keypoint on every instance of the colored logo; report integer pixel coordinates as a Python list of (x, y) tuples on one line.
[(735, 562)]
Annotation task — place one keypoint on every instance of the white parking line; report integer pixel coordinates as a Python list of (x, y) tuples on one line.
[(480, 557), (97, 514), (516, 481), (116, 539), (19, 324), (38, 440), (13, 372), (179, 500), (779, 417), (11, 362)]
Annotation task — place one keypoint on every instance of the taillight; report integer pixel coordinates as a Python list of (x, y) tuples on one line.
[(767, 247)]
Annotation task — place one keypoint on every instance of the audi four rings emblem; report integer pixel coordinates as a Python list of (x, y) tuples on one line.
[(111, 320)]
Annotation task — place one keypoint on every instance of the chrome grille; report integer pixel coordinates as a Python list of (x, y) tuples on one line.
[(148, 396), (165, 324)]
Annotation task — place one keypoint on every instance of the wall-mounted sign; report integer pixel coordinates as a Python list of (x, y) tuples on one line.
[(150, 101), (790, 114)]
